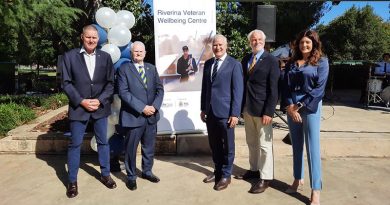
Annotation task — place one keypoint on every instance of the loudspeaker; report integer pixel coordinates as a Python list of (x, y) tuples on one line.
[(266, 21)]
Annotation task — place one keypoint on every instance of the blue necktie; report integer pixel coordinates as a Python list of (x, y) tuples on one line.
[(215, 67), (141, 72)]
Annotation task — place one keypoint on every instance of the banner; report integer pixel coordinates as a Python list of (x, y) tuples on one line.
[(183, 31)]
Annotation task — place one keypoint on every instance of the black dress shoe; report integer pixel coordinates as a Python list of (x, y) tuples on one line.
[(209, 178), (72, 190), (222, 184), (131, 184), (260, 187), (108, 182), (152, 178), (249, 175)]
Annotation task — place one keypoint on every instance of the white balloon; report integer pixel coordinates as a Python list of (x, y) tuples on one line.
[(106, 17), (94, 144), (113, 50), (125, 18), (116, 104), (119, 35)]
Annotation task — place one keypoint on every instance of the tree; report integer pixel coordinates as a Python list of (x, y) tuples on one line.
[(359, 34), (36, 29)]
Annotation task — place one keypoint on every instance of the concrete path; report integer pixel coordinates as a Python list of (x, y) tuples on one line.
[(30, 179)]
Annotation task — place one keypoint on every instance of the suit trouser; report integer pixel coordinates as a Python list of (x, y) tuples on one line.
[(77, 129), (221, 141), (307, 132), (259, 138), (147, 135)]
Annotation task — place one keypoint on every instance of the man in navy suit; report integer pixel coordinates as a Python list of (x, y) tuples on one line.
[(261, 73), (87, 79), (141, 92), (221, 96)]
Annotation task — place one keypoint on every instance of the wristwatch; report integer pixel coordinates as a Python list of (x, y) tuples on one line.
[(300, 105)]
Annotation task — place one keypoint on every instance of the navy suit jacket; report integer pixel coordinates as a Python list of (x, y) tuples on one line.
[(78, 85), (225, 94), (135, 95), (261, 87)]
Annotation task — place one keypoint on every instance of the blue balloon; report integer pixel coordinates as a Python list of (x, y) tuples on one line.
[(102, 34), (126, 51), (121, 61)]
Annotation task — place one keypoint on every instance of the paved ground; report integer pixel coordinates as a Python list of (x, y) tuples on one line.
[(30, 179), (355, 146)]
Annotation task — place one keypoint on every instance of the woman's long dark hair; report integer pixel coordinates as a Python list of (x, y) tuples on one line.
[(316, 51)]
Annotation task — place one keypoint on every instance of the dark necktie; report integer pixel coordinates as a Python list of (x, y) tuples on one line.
[(141, 72), (215, 67), (252, 65), (385, 68)]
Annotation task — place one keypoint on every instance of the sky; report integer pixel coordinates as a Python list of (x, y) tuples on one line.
[(381, 8)]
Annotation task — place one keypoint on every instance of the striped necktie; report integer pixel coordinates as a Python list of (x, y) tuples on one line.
[(141, 72), (252, 65), (215, 68)]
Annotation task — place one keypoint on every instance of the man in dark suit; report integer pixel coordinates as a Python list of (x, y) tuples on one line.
[(261, 73), (221, 97), (142, 93), (87, 79)]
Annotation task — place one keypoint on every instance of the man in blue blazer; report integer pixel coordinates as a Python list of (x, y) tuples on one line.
[(141, 92), (87, 80), (261, 72), (221, 96)]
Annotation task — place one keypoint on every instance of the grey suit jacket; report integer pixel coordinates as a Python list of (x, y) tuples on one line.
[(78, 85), (135, 95)]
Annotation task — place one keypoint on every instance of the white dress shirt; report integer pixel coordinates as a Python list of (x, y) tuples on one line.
[(90, 61)]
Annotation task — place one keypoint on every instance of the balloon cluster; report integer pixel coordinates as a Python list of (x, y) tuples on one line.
[(118, 26), (118, 46)]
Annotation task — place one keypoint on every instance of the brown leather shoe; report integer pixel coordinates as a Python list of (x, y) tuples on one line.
[(249, 175), (222, 184), (210, 178), (260, 187), (72, 190), (108, 182)]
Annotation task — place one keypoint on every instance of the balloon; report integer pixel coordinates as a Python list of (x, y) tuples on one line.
[(125, 18), (121, 61), (125, 51), (102, 34), (119, 35), (93, 144), (113, 50), (106, 17)]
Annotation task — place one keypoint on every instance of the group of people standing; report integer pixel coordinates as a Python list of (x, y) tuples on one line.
[(250, 88), (230, 89)]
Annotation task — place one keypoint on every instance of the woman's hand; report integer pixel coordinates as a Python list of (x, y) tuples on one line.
[(292, 111)]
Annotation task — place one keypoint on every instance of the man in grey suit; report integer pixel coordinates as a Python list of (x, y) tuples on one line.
[(221, 96), (87, 80), (261, 73), (141, 92)]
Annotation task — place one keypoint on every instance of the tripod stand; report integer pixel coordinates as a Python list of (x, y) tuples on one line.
[(287, 138)]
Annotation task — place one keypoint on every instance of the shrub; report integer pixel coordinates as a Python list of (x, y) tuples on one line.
[(13, 115), (55, 101), (26, 100)]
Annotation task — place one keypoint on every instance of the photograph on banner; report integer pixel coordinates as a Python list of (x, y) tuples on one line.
[(183, 31)]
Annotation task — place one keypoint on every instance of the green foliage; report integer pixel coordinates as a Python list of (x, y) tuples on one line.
[(13, 115), (359, 34), (25, 100), (35, 30), (55, 101), (233, 21)]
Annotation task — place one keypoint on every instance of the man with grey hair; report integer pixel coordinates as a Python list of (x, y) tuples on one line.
[(88, 81), (141, 92), (221, 97), (261, 74)]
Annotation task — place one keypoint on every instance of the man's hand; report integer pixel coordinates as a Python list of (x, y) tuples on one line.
[(203, 116), (266, 120), (90, 104), (233, 121), (149, 110)]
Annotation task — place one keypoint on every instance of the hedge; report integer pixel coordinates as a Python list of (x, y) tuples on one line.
[(13, 115)]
